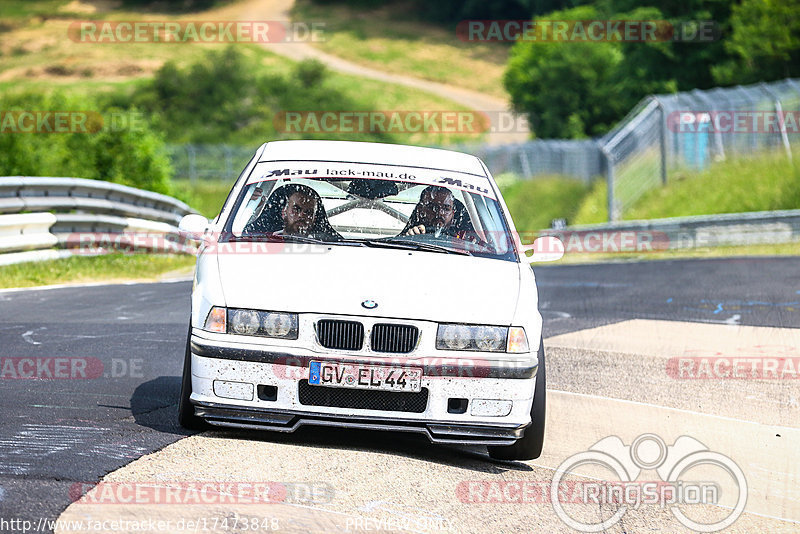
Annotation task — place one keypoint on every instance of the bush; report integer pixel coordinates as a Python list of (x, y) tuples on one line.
[(310, 72), (173, 6), (228, 98), (131, 153)]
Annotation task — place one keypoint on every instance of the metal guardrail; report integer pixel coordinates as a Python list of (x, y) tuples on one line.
[(26, 232), (29, 193), (730, 229), (64, 210)]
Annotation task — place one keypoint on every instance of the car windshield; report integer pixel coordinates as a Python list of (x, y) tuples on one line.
[(371, 205)]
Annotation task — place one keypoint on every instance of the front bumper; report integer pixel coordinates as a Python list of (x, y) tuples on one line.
[(281, 369)]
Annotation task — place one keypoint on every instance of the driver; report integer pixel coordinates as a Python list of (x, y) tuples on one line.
[(434, 214)]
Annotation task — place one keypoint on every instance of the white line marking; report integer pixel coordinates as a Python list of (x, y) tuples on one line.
[(733, 320), (559, 314), (681, 410), (2, 493), (27, 337)]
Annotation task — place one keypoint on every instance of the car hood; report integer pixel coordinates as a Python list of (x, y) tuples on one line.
[(405, 284)]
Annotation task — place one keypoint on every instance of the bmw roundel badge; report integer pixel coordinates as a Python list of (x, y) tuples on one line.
[(370, 304)]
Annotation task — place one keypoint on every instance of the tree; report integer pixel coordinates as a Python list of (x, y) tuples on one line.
[(567, 89), (765, 42)]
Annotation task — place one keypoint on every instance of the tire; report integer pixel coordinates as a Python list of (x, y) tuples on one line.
[(186, 417), (529, 446)]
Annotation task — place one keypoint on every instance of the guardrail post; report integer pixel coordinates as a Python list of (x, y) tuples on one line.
[(190, 151), (781, 122), (662, 139), (612, 210), (525, 163)]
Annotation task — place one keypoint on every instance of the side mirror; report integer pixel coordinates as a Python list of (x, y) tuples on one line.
[(545, 248), (193, 226)]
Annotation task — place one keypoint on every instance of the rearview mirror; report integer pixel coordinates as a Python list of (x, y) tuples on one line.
[(193, 226), (545, 248)]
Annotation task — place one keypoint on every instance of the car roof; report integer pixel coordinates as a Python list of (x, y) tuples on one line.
[(380, 153)]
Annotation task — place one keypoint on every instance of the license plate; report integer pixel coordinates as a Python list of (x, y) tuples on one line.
[(357, 376)]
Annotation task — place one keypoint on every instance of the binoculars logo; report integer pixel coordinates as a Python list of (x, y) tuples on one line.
[(672, 464)]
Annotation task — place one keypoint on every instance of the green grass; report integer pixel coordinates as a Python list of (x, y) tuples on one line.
[(389, 39), (535, 203), (22, 9), (206, 197), (593, 208), (763, 182), (111, 267)]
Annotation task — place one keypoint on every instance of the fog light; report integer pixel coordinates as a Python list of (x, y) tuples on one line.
[(233, 390), (490, 408)]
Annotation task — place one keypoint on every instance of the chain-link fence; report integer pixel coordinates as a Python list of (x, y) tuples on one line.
[(209, 162), (691, 130), (579, 159)]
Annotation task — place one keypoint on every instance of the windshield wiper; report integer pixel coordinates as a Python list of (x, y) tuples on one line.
[(267, 238), (289, 238), (394, 242)]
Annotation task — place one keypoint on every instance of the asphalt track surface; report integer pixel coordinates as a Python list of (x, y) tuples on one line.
[(57, 433)]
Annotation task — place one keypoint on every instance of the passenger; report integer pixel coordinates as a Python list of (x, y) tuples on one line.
[(293, 210)]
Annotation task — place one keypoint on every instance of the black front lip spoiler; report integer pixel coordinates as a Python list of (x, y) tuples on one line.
[(289, 421), (469, 369)]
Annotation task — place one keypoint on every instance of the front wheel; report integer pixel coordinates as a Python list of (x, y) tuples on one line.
[(186, 417), (529, 446)]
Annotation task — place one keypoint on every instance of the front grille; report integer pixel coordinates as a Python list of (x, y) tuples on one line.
[(400, 338), (361, 399), (340, 335)]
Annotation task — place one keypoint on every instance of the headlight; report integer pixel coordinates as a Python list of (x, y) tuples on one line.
[(475, 338), (245, 322), (262, 323), (489, 338), (453, 337), (280, 324)]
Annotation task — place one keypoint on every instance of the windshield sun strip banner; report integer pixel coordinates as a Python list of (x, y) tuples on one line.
[(469, 183)]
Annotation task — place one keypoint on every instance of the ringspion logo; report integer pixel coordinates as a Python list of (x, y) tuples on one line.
[(676, 489)]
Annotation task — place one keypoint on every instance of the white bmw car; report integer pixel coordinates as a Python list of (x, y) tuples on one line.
[(367, 285)]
